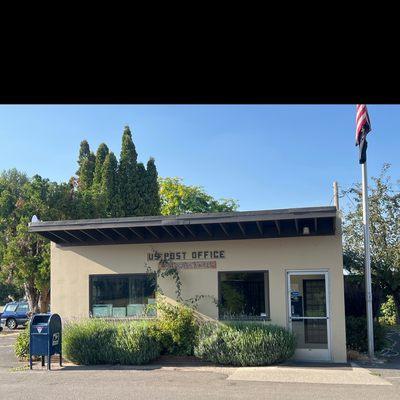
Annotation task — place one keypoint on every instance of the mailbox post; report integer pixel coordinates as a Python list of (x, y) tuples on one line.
[(45, 337)]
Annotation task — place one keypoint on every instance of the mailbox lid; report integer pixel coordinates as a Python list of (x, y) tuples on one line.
[(39, 324), (40, 319)]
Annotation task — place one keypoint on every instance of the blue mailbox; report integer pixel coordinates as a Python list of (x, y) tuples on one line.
[(45, 337)]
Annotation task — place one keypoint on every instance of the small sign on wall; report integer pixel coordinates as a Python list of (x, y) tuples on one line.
[(190, 265)]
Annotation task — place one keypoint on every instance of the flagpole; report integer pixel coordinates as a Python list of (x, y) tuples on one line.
[(368, 285)]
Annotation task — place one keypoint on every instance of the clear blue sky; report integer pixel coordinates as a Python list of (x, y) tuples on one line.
[(264, 156)]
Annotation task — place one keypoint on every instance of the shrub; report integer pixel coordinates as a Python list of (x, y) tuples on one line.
[(357, 336), (90, 341), (21, 346), (176, 329), (244, 344), (134, 344), (96, 341), (354, 293), (388, 312)]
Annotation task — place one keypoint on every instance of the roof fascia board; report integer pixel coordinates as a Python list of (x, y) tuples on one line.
[(101, 224)]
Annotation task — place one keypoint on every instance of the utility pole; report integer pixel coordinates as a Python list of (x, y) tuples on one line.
[(336, 195)]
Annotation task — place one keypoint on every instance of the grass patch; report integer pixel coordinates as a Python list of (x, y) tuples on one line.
[(20, 368)]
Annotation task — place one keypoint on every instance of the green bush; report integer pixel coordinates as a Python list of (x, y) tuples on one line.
[(21, 346), (89, 342), (176, 329), (244, 344), (135, 345), (97, 341), (357, 336), (388, 312)]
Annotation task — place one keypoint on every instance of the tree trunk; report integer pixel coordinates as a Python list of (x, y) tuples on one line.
[(32, 295), (44, 300), (396, 298)]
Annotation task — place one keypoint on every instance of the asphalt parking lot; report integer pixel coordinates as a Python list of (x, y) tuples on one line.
[(191, 381)]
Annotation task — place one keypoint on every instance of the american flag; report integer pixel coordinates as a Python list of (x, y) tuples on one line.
[(363, 126)]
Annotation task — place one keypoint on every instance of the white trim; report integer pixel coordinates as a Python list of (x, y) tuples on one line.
[(314, 354)]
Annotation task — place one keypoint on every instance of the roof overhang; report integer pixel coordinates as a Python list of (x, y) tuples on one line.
[(190, 227)]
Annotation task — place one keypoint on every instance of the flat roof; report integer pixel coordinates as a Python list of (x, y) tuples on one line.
[(190, 227)]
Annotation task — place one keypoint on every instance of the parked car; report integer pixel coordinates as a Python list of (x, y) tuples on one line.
[(14, 314)]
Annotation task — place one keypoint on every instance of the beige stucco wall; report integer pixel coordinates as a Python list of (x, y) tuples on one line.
[(71, 267)]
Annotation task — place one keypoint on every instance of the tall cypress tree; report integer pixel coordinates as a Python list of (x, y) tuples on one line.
[(152, 189), (85, 207), (101, 154), (109, 186), (128, 180), (84, 152), (86, 172), (143, 206)]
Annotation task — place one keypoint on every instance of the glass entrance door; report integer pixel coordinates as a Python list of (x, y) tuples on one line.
[(309, 314)]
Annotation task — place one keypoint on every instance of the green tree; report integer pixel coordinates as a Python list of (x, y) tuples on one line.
[(101, 154), (24, 258), (96, 195), (86, 163), (178, 198), (11, 183), (384, 208), (84, 153), (27, 258), (128, 177), (9, 292), (143, 207), (109, 187), (85, 180), (152, 189)]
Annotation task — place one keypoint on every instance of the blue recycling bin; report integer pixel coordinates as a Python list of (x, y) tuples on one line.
[(45, 337)]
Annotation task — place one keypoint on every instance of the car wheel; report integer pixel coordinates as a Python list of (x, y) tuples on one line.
[(11, 323)]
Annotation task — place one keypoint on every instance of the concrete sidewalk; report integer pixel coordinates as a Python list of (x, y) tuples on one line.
[(350, 375)]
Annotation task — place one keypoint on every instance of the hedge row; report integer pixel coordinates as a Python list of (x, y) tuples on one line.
[(97, 341)]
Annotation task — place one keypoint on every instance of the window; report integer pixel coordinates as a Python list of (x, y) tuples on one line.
[(244, 295), (11, 307), (128, 295), (23, 308)]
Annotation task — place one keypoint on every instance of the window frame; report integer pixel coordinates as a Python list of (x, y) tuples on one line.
[(124, 275), (266, 294)]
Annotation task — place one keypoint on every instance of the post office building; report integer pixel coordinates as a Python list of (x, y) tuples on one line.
[(276, 266)]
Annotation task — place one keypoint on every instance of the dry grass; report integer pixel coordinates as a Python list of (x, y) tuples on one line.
[(353, 355)]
